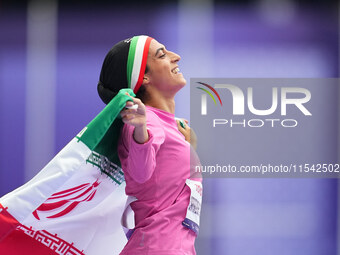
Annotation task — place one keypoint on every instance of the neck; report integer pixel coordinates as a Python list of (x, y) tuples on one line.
[(162, 102)]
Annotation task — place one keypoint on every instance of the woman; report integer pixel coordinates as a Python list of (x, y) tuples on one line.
[(154, 148)]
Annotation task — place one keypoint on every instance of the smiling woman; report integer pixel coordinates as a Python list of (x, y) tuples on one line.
[(154, 149)]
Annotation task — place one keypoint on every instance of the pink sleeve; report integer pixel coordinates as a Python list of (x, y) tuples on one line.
[(139, 160)]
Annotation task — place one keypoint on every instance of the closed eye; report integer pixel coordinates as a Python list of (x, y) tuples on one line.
[(161, 52)]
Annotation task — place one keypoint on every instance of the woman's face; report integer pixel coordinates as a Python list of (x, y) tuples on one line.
[(163, 72)]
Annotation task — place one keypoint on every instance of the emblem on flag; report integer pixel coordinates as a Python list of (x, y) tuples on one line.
[(67, 200)]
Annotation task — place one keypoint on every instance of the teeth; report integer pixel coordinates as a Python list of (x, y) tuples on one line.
[(176, 70)]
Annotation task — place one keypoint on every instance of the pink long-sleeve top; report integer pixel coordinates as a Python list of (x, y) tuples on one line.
[(155, 173)]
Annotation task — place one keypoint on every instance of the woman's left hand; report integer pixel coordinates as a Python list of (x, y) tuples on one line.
[(189, 134)]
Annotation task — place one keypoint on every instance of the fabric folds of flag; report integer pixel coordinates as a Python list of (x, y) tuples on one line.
[(75, 203)]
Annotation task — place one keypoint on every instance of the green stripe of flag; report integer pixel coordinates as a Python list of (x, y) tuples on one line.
[(100, 125)]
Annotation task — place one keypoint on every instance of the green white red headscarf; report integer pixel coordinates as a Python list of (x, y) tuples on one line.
[(124, 67), (136, 63)]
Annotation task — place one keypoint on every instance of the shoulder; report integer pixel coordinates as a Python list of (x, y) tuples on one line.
[(154, 125), (152, 118)]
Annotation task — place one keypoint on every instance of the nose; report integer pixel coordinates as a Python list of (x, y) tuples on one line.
[(175, 57)]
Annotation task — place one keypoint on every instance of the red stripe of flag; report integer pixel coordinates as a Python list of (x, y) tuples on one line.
[(7, 223)]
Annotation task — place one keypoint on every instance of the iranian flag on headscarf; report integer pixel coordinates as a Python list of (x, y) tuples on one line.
[(75, 203)]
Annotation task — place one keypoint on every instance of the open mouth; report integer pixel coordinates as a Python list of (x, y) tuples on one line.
[(175, 70)]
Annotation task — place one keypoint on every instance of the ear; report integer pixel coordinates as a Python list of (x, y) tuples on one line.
[(146, 80)]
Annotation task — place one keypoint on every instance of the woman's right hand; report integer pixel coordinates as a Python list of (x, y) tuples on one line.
[(189, 134), (136, 118)]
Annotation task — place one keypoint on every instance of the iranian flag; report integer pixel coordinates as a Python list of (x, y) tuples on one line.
[(75, 203)]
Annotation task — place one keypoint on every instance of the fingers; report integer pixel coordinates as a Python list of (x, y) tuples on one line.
[(138, 102), (127, 112), (129, 104), (183, 124), (128, 117), (134, 112), (179, 125), (134, 101), (135, 106)]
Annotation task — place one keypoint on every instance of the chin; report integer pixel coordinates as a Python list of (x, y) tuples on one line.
[(178, 86), (183, 82), (181, 85)]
